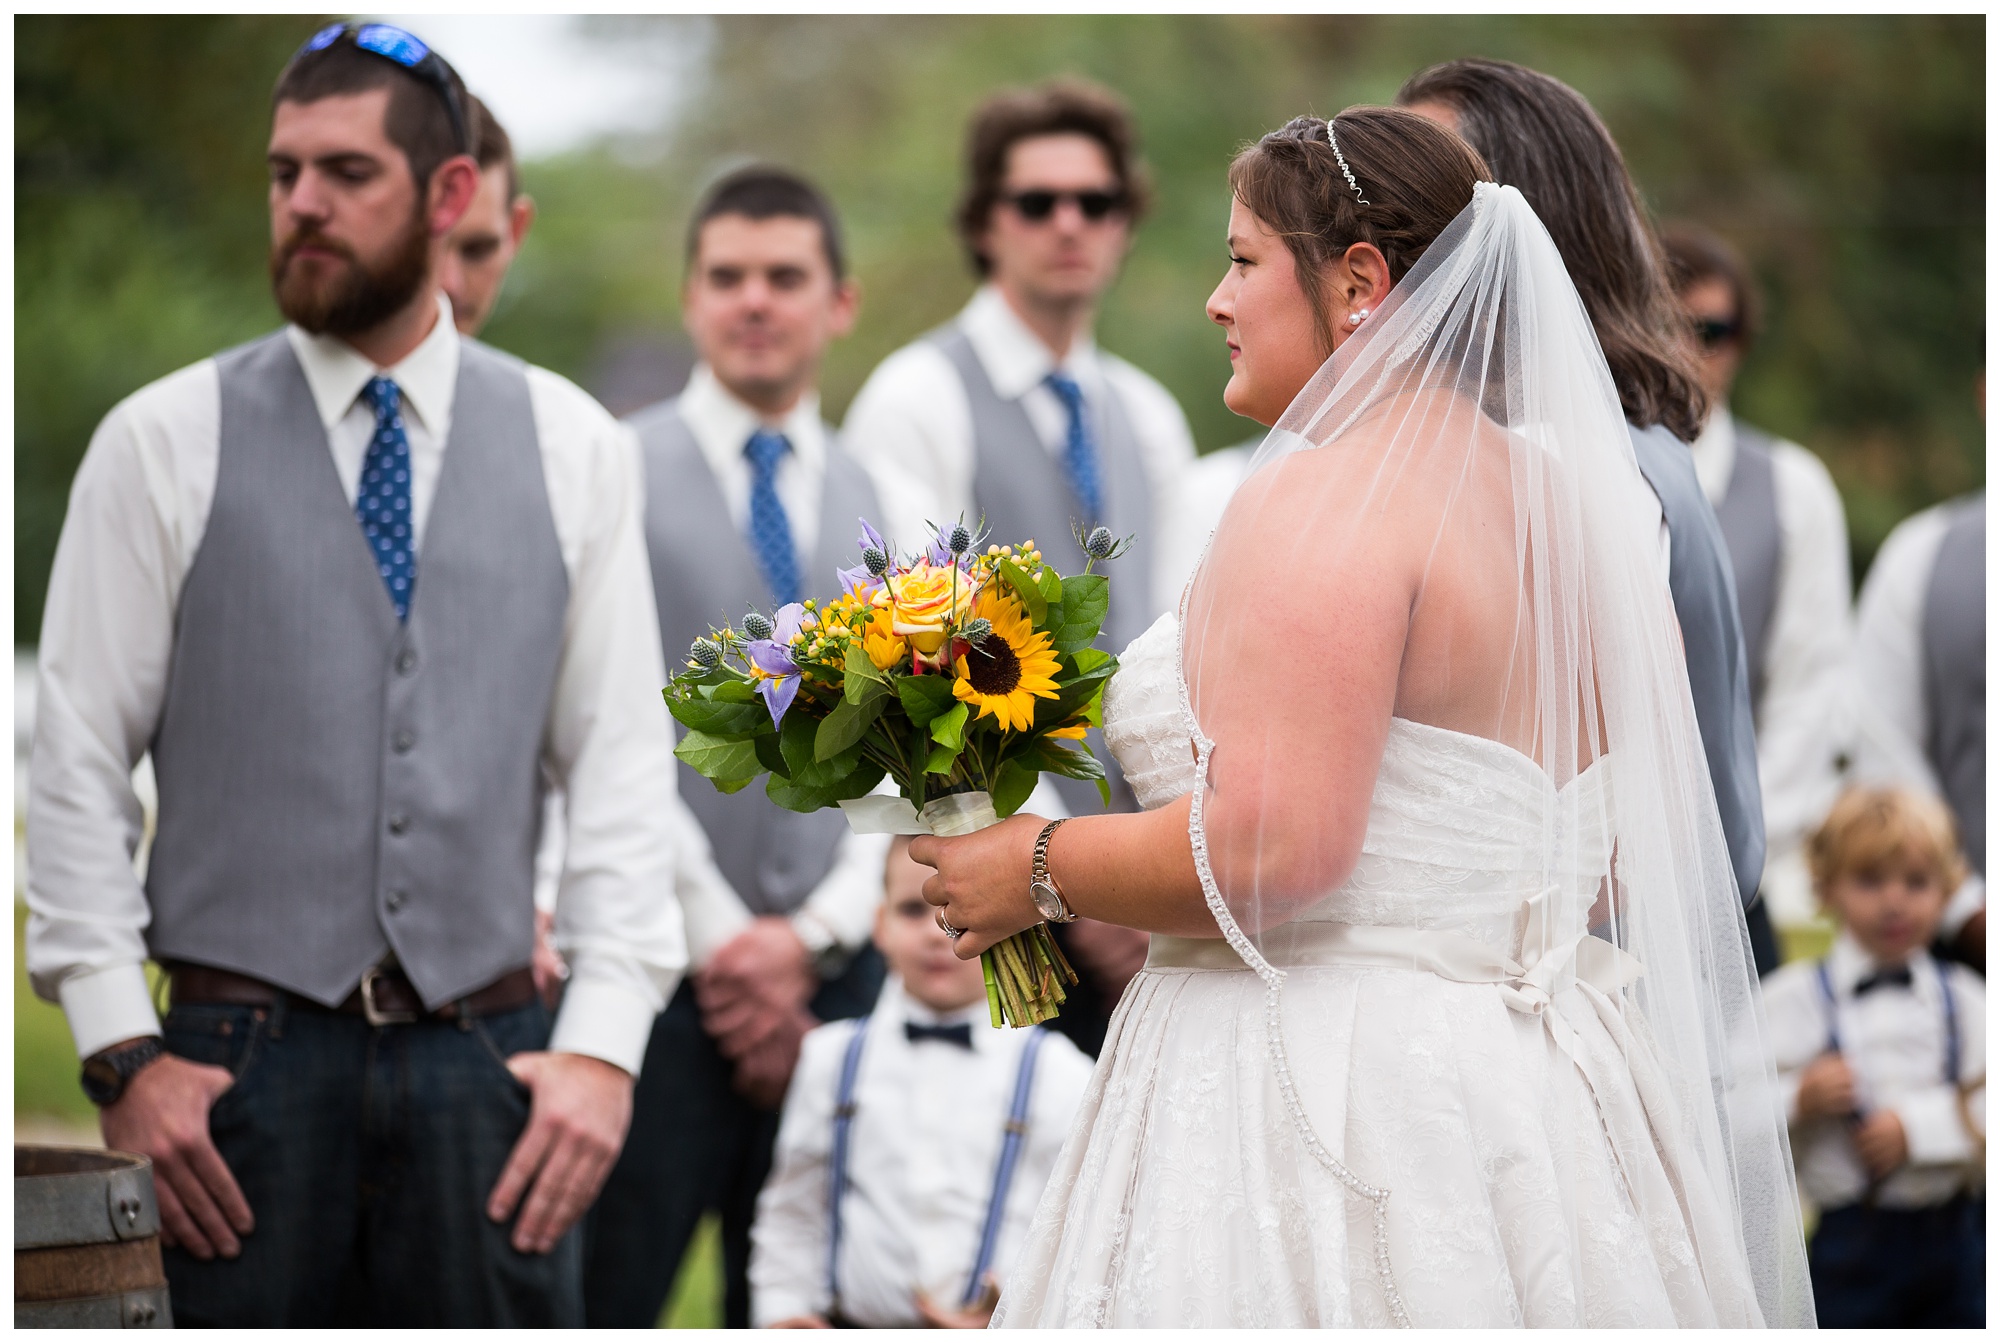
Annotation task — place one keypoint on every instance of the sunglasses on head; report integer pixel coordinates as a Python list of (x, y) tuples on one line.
[(1036, 206), (1712, 332), (407, 50)]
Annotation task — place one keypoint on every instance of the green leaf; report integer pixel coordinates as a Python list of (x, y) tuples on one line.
[(1085, 600), (1011, 789), (733, 691), (1090, 659), (798, 742), (942, 758), (925, 697), (861, 681), (847, 724), (719, 718), (1070, 762), (948, 729), (733, 785), (714, 758), (798, 797), (1025, 588), (770, 755), (1051, 586)]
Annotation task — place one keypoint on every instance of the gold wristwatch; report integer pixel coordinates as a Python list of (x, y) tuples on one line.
[(1047, 895)]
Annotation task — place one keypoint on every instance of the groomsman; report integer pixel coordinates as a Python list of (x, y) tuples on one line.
[(1011, 413), (483, 246), (1782, 520), (359, 586), (1541, 136), (750, 502)]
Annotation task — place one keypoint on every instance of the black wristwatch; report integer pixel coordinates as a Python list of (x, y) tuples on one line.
[(106, 1073)]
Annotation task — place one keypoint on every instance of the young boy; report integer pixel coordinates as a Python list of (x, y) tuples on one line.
[(1881, 1052), (944, 1130)]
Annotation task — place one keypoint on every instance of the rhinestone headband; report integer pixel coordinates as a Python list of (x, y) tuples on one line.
[(1341, 159)]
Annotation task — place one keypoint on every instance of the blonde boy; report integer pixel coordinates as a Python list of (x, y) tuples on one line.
[(1881, 1051), (944, 1128)]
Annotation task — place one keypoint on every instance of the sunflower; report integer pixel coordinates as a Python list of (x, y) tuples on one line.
[(1007, 671)]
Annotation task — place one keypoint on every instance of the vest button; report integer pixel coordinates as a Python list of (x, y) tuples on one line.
[(404, 740), (399, 823), (406, 662), (395, 901)]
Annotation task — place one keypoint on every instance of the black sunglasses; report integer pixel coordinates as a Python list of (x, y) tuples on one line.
[(1036, 206), (407, 50), (1712, 332)]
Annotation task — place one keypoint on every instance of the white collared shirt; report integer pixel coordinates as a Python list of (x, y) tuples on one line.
[(928, 1124), (1893, 1039), (911, 424), (1802, 726), (138, 510), (722, 426)]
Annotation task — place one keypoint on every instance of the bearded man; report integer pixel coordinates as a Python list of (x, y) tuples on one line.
[(361, 587)]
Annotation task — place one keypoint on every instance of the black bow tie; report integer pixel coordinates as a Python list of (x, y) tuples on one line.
[(955, 1033), (1896, 975)]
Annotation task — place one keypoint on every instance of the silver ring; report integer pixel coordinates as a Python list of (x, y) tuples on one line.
[(944, 926)]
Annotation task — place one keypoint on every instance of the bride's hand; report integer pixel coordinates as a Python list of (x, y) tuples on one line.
[(982, 881)]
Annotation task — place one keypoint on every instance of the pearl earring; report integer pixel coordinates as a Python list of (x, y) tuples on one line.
[(1357, 317)]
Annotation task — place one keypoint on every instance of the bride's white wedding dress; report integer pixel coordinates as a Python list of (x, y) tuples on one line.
[(1452, 1043)]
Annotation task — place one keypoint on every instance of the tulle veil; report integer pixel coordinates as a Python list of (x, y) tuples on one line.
[(1476, 402)]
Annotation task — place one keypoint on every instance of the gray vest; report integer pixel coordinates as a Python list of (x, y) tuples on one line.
[(1955, 672), (1748, 515), (1704, 592), (705, 576), (1023, 492), (335, 784)]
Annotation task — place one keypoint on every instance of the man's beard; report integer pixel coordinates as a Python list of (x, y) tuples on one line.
[(327, 299)]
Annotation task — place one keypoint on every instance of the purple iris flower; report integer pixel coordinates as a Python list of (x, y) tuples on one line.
[(773, 657), (872, 540), (858, 582), (940, 554)]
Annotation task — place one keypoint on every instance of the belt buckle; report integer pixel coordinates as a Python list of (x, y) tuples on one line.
[(375, 1015)]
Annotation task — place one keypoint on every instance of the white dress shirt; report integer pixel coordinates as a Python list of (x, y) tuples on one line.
[(1802, 726), (911, 424), (1893, 1041), (722, 426), (137, 513), (928, 1125)]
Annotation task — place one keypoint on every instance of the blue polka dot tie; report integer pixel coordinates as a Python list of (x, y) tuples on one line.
[(770, 529), (1079, 455), (383, 500)]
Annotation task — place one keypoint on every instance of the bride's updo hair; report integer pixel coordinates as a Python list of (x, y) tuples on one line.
[(1415, 175)]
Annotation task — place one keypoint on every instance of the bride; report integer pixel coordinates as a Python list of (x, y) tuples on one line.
[(1448, 1017)]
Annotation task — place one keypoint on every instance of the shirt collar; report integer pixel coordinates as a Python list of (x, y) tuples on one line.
[(1848, 963), (1715, 453), (427, 377), (1012, 354), (722, 423), (897, 1004)]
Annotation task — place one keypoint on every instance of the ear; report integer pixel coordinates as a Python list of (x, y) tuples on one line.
[(1361, 276), (520, 218), (846, 306), (452, 188)]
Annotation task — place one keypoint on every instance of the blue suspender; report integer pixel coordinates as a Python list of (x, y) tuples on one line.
[(843, 1129), (1003, 1176), (1010, 1155), (1951, 1042)]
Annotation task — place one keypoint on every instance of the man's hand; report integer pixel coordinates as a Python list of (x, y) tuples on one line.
[(1826, 1088), (753, 985), (763, 1073), (164, 1114), (576, 1126), (1108, 952), (547, 964), (978, 1315), (1880, 1143)]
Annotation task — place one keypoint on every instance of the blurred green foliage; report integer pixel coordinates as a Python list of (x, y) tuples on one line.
[(1845, 155)]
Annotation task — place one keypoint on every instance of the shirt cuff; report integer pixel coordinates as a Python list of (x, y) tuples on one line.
[(1933, 1127), (603, 1020), (107, 1006)]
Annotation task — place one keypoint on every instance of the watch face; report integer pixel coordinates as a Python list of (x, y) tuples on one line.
[(101, 1082), (1046, 900)]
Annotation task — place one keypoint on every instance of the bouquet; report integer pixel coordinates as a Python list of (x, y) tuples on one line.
[(961, 675)]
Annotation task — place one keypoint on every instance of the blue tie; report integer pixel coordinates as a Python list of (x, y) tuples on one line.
[(383, 500), (770, 530), (1079, 455)]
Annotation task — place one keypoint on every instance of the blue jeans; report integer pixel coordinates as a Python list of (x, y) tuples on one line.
[(367, 1156), (1912, 1268)]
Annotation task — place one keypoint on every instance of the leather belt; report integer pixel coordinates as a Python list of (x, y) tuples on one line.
[(385, 996)]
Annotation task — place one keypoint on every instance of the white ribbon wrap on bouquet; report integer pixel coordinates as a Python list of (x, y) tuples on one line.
[(955, 814)]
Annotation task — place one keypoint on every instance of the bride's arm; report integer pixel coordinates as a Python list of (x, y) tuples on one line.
[(1295, 680)]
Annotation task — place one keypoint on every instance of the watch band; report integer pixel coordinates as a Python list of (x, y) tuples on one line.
[(107, 1072), (1044, 879)]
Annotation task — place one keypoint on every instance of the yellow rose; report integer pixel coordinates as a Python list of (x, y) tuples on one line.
[(885, 649), (925, 600)]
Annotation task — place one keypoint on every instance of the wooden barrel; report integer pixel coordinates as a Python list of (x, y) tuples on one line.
[(86, 1241)]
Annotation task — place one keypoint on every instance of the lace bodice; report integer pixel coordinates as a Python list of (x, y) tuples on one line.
[(1460, 831)]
